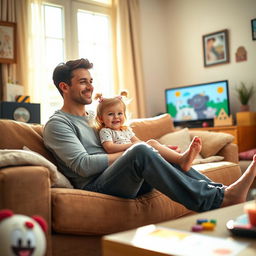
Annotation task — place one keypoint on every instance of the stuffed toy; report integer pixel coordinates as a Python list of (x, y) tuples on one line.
[(21, 235)]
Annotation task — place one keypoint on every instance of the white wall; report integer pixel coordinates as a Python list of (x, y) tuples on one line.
[(173, 39), (155, 52)]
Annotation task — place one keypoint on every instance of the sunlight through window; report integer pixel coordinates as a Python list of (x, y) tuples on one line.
[(95, 44), (54, 47), (103, 1), (73, 30)]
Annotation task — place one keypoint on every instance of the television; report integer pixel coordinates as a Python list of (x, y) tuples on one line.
[(198, 104)]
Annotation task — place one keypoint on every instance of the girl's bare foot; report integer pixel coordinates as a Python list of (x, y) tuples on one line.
[(237, 192), (190, 154)]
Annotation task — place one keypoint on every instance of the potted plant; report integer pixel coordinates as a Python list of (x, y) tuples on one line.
[(244, 95)]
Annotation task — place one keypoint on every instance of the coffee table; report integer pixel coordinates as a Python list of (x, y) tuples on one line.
[(120, 244)]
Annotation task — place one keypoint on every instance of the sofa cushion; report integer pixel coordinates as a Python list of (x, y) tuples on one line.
[(209, 159), (212, 142), (152, 128), (221, 172), (179, 138), (182, 139), (244, 165), (83, 212)]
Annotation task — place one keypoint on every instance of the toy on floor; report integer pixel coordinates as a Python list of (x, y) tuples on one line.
[(204, 224), (22, 235)]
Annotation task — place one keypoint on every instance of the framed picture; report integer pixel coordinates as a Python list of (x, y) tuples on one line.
[(215, 47), (253, 29), (7, 42)]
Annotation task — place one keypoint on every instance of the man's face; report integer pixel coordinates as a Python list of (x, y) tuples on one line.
[(81, 88)]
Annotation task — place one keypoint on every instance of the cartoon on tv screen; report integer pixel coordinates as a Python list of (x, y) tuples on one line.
[(199, 102)]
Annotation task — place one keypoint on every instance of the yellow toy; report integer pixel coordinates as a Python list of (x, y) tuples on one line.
[(223, 119), (21, 235)]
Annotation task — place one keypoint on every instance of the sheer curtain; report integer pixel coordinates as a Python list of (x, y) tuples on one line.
[(22, 43), (129, 64), (28, 71), (36, 53)]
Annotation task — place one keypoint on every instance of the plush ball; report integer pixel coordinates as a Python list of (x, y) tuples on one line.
[(22, 235)]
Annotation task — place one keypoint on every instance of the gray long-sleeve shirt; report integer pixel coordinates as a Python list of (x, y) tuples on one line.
[(76, 147)]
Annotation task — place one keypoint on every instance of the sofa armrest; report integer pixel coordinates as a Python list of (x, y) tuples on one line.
[(230, 153), (26, 190)]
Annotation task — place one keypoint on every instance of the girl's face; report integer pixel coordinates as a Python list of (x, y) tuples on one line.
[(113, 117)]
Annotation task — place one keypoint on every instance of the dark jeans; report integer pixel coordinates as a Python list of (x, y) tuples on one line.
[(141, 168)]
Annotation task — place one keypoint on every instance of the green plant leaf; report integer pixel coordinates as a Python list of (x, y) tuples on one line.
[(244, 93)]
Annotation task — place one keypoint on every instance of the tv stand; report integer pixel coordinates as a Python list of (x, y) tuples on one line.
[(244, 136), (194, 124)]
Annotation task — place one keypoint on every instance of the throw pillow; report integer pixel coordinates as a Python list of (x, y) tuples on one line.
[(247, 155), (179, 138), (212, 142), (152, 128), (15, 157)]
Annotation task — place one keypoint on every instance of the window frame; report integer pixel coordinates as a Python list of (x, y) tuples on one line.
[(70, 21), (91, 8), (70, 31)]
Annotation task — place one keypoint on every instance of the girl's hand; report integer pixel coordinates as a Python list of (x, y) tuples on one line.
[(175, 148), (136, 142)]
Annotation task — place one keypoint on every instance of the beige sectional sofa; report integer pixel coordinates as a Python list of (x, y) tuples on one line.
[(78, 219)]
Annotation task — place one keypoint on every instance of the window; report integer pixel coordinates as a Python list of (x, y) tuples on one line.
[(55, 53), (95, 43), (74, 30)]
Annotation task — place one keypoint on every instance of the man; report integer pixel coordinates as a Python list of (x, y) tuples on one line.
[(75, 144)]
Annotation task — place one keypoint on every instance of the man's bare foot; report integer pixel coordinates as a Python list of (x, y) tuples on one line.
[(237, 192), (190, 154)]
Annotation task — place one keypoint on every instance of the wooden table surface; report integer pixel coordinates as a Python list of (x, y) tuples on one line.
[(120, 244)]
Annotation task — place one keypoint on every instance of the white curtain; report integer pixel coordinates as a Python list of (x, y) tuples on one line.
[(128, 55), (22, 43), (36, 53)]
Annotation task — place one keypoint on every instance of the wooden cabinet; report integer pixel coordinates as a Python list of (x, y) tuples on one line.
[(244, 136)]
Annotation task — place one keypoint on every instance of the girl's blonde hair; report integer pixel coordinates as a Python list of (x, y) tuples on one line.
[(108, 102)]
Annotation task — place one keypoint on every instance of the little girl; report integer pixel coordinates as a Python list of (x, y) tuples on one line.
[(115, 136)]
